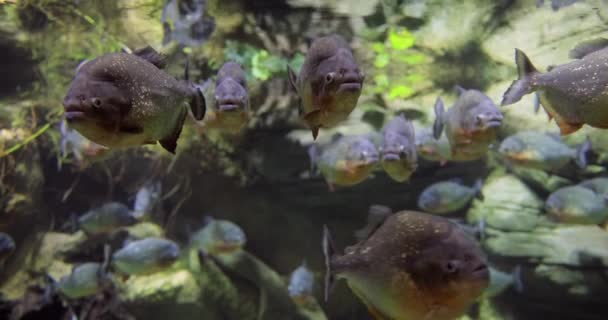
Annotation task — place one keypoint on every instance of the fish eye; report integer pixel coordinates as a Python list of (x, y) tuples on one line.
[(96, 102), (329, 78), (451, 266)]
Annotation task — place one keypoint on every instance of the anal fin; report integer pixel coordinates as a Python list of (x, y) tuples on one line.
[(567, 128), (170, 141)]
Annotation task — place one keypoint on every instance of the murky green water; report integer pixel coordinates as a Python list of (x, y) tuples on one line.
[(163, 183)]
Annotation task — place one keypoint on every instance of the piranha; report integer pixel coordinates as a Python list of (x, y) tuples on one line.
[(84, 150), (329, 83), (447, 196), (412, 266), (107, 218), (542, 151), (146, 256), (219, 237), (577, 205), (123, 100), (470, 125), (431, 149), (500, 281), (573, 93), (398, 151), (598, 185), (147, 199), (85, 280), (346, 160), (301, 282), (231, 111), (7, 247)]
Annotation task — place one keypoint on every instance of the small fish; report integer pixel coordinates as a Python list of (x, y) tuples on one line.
[(470, 125), (577, 205), (413, 266), (301, 283), (598, 185), (85, 280), (447, 196), (145, 256), (7, 247), (84, 150), (329, 83), (219, 237), (541, 151), (556, 4), (107, 218), (146, 199), (432, 149), (186, 22), (346, 160), (123, 100), (573, 93), (231, 111), (398, 152), (500, 281)]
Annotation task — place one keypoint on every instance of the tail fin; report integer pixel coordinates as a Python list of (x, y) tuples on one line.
[(581, 153), (328, 252), (523, 85), (198, 105), (517, 283), (313, 154), (439, 111)]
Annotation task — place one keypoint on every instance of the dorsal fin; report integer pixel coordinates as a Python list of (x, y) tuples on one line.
[(586, 47), (149, 54), (376, 216), (460, 90)]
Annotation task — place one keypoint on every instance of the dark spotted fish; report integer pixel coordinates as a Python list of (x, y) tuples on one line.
[(124, 100), (329, 83), (413, 266), (574, 93)]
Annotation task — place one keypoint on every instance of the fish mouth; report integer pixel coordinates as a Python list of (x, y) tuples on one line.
[(391, 157), (74, 115), (229, 105), (493, 123), (350, 86), (481, 271)]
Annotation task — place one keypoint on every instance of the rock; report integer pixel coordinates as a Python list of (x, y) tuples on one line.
[(508, 204), (340, 7), (546, 36), (39, 253), (577, 246), (452, 27)]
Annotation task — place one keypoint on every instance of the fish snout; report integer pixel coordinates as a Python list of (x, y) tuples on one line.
[(75, 107), (229, 103), (489, 120), (480, 270), (350, 80)]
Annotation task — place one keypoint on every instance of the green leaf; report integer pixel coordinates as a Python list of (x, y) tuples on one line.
[(379, 47), (401, 40), (381, 80), (415, 58), (400, 91), (381, 60)]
